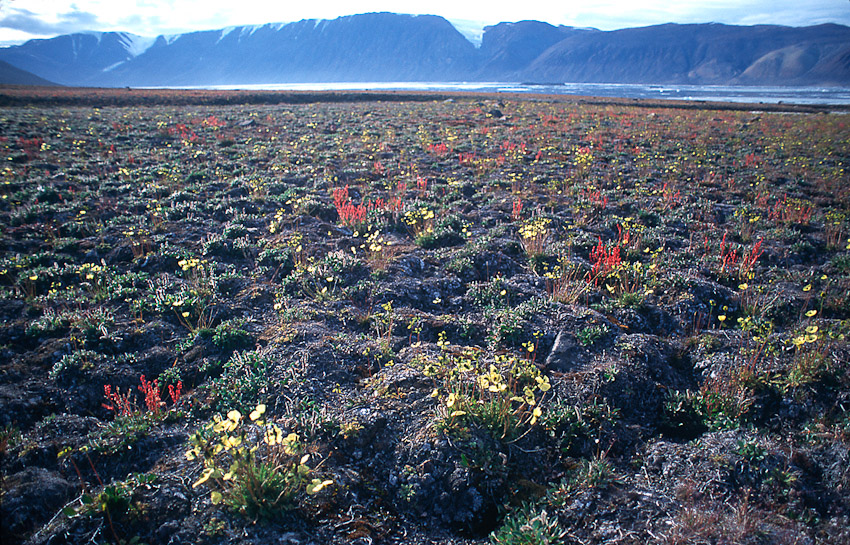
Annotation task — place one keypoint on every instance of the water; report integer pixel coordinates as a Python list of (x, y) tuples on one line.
[(715, 93)]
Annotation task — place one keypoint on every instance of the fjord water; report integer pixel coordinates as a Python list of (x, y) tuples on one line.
[(714, 93)]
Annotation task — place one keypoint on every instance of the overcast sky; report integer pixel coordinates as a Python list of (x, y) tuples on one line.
[(21, 20)]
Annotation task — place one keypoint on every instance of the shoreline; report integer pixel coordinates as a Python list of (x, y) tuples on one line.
[(23, 96)]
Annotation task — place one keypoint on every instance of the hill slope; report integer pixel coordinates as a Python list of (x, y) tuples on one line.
[(9, 75)]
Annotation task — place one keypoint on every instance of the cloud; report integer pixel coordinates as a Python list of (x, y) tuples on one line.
[(27, 21)]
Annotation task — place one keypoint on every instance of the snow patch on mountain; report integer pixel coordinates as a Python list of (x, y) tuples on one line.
[(135, 44), (113, 66), (471, 30), (225, 31)]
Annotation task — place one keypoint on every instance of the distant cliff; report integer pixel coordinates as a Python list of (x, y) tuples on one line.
[(392, 47)]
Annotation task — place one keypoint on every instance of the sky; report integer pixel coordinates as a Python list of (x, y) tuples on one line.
[(21, 20)]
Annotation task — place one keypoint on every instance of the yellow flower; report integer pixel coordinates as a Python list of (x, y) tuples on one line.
[(273, 435), (807, 287), (450, 401), (204, 477), (535, 414), (317, 485), (543, 384), (258, 412), (811, 313)]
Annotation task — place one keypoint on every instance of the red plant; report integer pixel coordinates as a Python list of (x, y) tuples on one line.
[(150, 390), (604, 261), (793, 211), (31, 146), (125, 405), (670, 197), (174, 392), (516, 214), (466, 158), (355, 215), (122, 404), (212, 121), (596, 198), (438, 149), (743, 265)]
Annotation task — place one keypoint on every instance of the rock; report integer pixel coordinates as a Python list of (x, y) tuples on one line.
[(565, 354), (30, 498)]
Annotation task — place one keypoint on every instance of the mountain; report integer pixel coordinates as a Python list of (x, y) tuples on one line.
[(375, 46), (700, 54), (508, 48), (9, 75), (393, 47), (74, 59)]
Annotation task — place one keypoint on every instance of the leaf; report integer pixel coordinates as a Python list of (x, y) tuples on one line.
[(216, 497), (87, 500), (69, 512)]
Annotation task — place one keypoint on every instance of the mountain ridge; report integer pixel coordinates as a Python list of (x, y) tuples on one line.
[(397, 47)]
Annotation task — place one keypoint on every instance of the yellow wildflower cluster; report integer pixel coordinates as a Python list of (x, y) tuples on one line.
[(566, 282), (259, 478), (419, 221), (377, 250), (807, 336), (502, 396), (276, 223), (90, 271), (191, 263), (534, 235)]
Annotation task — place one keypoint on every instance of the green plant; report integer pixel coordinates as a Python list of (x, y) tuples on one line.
[(529, 525), (229, 335), (588, 335), (252, 468), (506, 327), (114, 503), (596, 472), (49, 323), (121, 433), (716, 406), (245, 378), (114, 499), (78, 360), (567, 423), (493, 294)]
